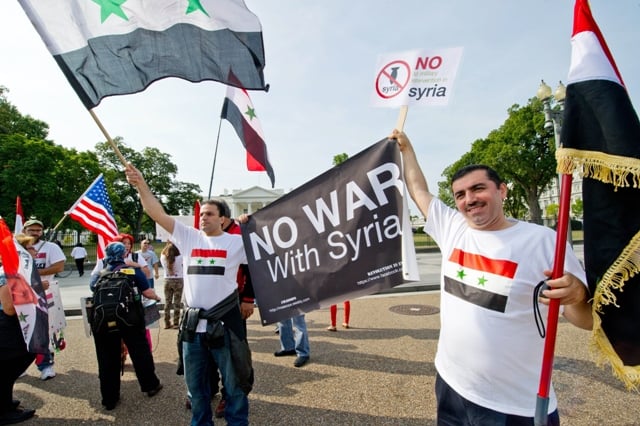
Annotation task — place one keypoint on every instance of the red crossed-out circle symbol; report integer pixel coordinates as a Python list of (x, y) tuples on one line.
[(392, 79)]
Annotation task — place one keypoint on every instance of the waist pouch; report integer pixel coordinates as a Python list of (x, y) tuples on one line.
[(215, 328)]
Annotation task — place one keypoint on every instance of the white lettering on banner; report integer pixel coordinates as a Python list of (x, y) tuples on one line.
[(357, 198), (332, 214), (352, 189), (266, 243), (392, 229), (379, 186), (296, 260)]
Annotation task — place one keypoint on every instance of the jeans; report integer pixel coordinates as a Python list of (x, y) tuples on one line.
[(299, 341), (197, 369)]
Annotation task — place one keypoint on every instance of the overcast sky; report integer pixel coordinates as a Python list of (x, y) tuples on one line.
[(320, 65)]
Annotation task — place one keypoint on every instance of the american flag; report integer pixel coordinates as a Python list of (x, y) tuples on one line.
[(93, 210)]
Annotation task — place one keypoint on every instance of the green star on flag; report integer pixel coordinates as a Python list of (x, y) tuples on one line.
[(199, 261), (212, 261), (195, 5), (22, 317), (109, 7), (482, 280), (251, 113), (461, 274)]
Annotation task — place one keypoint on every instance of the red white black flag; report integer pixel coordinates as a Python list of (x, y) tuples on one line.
[(601, 139)]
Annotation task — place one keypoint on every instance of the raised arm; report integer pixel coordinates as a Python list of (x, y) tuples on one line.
[(413, 176), (149, 202)]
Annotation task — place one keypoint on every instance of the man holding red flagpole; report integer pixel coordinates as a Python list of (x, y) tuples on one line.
[(489, 348)]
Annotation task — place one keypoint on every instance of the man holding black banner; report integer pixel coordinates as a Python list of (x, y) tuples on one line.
[(489, 350), (212, 325)]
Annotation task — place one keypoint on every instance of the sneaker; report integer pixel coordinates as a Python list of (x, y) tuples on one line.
[(220, 408), (300, 361), (332, 328), (47, 373)]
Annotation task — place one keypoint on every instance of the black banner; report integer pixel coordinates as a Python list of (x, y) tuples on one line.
[(337, 237)]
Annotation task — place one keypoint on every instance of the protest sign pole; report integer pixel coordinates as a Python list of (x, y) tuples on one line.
[(106, 135), (402, 117)]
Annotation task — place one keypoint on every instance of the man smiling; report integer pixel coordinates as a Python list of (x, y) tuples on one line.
[(489, 350)]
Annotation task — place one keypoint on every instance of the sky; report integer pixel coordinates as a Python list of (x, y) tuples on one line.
[(321, 66)]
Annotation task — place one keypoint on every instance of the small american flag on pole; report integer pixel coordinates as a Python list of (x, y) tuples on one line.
[(93, 210)]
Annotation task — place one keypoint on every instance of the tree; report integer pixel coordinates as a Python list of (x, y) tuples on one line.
[(340, 158), (577, 208), (159, 172), (12, 122), (48, 177), (522, 151), (552, 210)]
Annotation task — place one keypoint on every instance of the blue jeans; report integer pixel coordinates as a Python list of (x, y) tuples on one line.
[(299, 342), (197, 371)]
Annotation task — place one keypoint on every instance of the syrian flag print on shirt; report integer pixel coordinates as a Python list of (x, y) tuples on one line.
[(479, 280), (207, 262)]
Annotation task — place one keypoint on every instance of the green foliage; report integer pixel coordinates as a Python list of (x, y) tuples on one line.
[(552, 210), (49, 178), (159, 172), (577, 208), (12, 122), (340, 158), (522, 151)]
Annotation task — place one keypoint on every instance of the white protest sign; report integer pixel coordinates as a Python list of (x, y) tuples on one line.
[(416, 77)]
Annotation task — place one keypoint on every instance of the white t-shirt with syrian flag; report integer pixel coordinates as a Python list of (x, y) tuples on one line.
[(489, 350), (210, 266)]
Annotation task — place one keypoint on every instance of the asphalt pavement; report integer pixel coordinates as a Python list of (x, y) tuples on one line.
[(378, 372)]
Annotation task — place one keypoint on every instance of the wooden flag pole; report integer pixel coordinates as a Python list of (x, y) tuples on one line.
[(106, 135), (402, 117)]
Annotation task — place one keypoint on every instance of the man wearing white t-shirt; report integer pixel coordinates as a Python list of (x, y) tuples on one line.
[(489, 350), (212, 326), (49, 259)]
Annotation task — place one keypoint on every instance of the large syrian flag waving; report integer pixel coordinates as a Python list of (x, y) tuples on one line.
[(107, 47), (601, 139)]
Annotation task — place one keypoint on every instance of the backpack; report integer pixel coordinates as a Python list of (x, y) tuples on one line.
[(116, 302)]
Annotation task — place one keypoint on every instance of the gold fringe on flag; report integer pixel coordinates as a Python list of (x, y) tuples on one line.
[(620, 172), (623, 268), (607, 168)]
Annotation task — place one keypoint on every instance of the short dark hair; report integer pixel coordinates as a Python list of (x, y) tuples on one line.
[(223, 209), (491, 173)]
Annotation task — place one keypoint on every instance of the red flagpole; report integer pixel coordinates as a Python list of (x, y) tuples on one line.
[(542, 402)]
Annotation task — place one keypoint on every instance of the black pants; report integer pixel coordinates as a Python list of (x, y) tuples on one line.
[(80, 265), (455, 410), (108, 352), (12, 367)]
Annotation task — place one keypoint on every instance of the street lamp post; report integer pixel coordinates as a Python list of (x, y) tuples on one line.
[(553, 119)]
